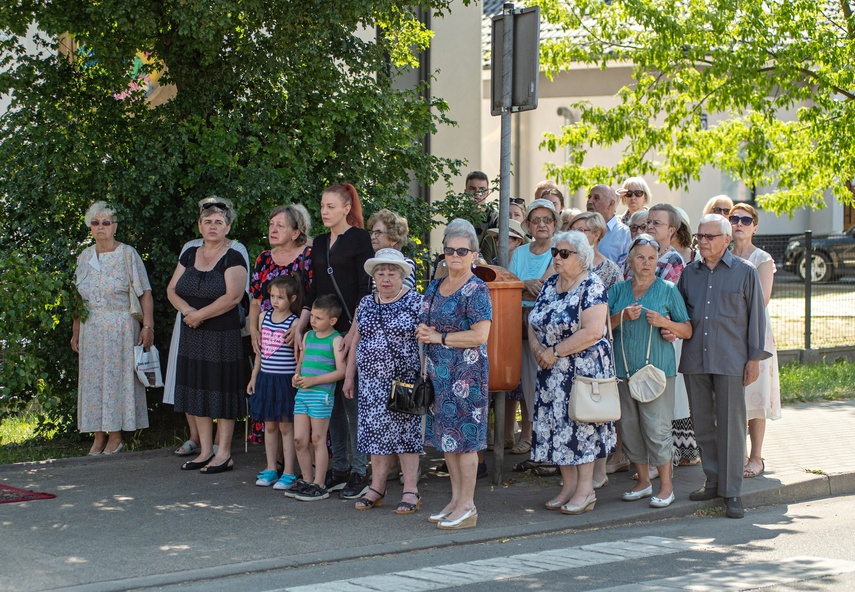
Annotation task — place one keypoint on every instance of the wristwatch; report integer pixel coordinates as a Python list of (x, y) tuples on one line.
[(555, 352), (443, 334)]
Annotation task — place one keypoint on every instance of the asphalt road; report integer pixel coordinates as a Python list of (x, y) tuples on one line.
[(805, 546)]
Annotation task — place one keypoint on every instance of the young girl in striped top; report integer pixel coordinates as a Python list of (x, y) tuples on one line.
[(271, 389)]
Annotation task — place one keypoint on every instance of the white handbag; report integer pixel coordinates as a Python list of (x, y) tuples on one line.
[(649, 382)]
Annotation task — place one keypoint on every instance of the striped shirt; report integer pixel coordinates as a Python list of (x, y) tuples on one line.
[(319, 358), (276, 357)]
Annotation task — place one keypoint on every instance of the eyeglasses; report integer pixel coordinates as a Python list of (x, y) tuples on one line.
[(707, 237), (744, 220), (643, 241), (378, 232), (95, 222), (520, 201), (461, 252), (634, 193), (563, 253), (637, 227), (541, 220), (214, 204), (720, 211)]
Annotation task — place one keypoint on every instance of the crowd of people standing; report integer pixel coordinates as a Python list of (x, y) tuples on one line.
[(332, 320)]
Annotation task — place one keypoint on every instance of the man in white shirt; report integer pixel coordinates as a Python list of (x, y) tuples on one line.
[(615, 243)]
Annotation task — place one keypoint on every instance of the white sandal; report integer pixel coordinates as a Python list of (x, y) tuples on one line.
[(188, 448)]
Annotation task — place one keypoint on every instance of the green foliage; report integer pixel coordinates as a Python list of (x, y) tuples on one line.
[(749, 62), (275, 100), (824, 380)]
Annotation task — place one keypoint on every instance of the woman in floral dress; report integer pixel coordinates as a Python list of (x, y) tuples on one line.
[(567, 337)]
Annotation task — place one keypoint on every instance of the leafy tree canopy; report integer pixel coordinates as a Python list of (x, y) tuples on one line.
[(749, 60), (275, 100)]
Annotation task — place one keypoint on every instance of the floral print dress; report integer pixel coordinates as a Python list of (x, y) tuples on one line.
[(555, 317), (458, 421), (109, 396)]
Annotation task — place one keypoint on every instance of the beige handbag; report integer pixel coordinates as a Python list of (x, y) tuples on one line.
[(595, 400), (135, 307), (649, 382)]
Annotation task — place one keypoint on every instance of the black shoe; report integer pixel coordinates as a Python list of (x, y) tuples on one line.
[(356, 487), (312, 493), (336, 480), (482, 470), (733, 507), (298, 486), (704, 494)]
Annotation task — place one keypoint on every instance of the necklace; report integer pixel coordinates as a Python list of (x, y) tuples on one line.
[(401, 291), (206, 260)]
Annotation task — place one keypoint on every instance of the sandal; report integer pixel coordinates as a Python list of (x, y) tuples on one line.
[(616, 465), (188, 448), (407, 507), (687, 462), (545, 471), (526, 465), (522, 447), (364, 503), (749, 473)]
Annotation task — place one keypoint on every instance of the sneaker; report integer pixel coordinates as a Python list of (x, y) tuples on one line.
[(336, 480), (312, 493), (285, 481), (356, 487), (266, 478), (296, 487)]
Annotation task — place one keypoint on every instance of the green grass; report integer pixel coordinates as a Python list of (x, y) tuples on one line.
[(802, 383)]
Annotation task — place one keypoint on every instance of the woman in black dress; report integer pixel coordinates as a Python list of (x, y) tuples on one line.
[(206, 288)]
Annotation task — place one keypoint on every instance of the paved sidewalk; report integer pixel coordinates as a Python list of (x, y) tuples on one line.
[(135, 520)]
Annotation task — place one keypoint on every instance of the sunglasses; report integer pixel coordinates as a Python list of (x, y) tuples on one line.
[(541, 220), (461, 252), (643, 241), (744, 220), (94, 222), (563, 253), (520, 201), (720, 211), (634, 193), (214, 204), (707, 237)]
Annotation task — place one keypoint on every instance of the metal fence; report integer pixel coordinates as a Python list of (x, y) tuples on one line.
[(810, 315)]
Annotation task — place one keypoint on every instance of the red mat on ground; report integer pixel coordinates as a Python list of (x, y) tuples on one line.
[(9, 494)]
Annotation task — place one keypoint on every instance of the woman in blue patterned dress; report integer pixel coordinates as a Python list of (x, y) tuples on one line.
[(386, 350), (567, 337), (455, 322)]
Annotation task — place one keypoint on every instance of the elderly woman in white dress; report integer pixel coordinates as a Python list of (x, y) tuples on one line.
[(110, 399)]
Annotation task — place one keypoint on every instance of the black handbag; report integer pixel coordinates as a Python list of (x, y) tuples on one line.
[(408, 396)]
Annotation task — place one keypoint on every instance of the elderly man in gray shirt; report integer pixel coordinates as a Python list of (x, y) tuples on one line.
[(725, 303)]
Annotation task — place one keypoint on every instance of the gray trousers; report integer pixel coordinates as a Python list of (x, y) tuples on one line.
[(645, 428), (718, 414)]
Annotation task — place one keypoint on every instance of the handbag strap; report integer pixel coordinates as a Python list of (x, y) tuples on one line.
[(608, 324), (335, 283), (623, 350), (126, 255)]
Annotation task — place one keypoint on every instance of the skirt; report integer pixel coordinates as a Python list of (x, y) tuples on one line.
[(273, 399)]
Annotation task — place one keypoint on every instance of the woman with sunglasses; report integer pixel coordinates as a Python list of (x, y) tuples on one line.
[(635, 195), (567, 336), (720, 204), (638, 308), (532, 263), (206, 288), (763, 396), (110, 399), (454, 323)]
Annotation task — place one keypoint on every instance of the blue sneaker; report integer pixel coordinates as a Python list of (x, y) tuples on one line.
[(285, 481), (266, 478)]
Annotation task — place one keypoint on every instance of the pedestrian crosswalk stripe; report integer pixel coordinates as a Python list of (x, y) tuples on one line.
[(745, 577), (502, 568)]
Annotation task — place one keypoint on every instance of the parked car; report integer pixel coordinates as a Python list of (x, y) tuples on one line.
[(833, 256)]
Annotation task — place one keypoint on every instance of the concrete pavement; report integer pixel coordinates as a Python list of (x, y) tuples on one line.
[(135, 520)]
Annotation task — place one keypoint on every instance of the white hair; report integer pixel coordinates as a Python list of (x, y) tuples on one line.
[(580, 244), (99, 208), (460, 228), (724, 223)]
